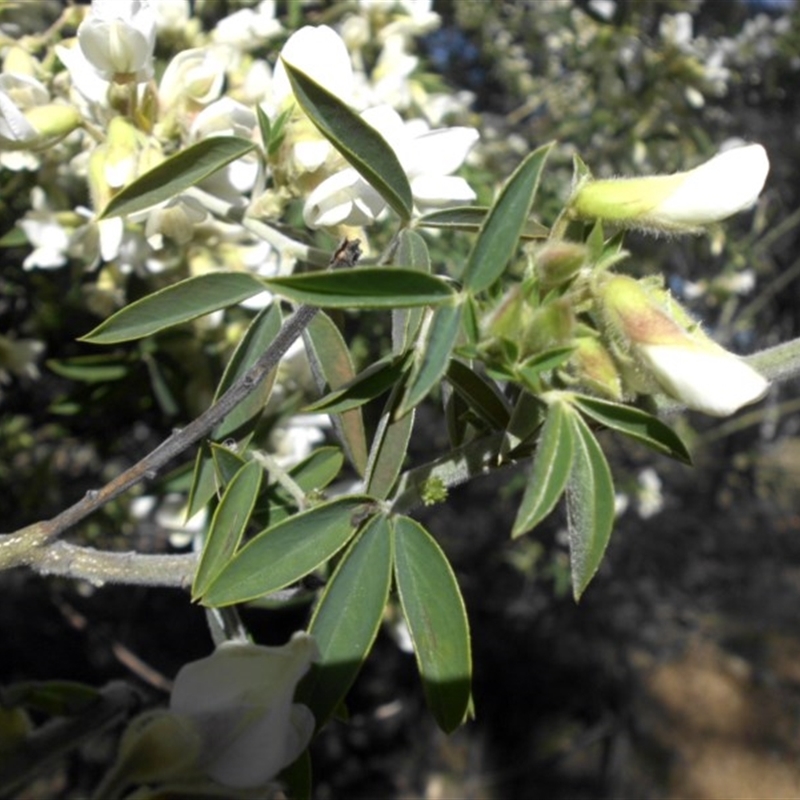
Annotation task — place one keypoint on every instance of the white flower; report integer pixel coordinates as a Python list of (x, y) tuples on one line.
[(344, 198), (226, 117), (321, 54), (240, 700), (118, 37), (43, 230), (293, 442), (91, 87), (172, 16), (730, 182), (686, 365), (249, 28), (707, 378), (175, 220), (196, 75)]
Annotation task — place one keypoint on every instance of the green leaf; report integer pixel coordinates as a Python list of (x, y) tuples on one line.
[(228, 525), (410, 251), (226, 463), (100, 368), (14, 237), (258, 337), (552, 464), (470, 218), (499, 235), (637, 424), (278, 130), (332, 368), (181, 302), (479, 394), (437, 621), (177, 173), (316, 471), (526, 418), (363, 287), (347, 619), (243, 419), (363, 147), (374, 381), (590, 506), (311, 475), (214, 466), (284, 553), (53, 698), (431, 356), (264, 127), (388, 452)]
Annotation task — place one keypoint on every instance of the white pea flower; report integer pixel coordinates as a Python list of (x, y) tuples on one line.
[(726, 184), (321, 54), (249, 28), (686, 365), (240, 701), (118, 38), (175, 220), (227, 117), (196, 75), (171, 16), (46, 233), (295, 441)]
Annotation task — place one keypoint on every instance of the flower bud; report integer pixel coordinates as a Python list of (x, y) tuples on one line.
[(687, 366), (595, 368), (157, 746), (558, 262), (730, 182), (53, 121)]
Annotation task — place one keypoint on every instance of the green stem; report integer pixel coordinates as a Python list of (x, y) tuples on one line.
[(479, 457)]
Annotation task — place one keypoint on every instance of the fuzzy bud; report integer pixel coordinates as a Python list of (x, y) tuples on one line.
[(687, 366)]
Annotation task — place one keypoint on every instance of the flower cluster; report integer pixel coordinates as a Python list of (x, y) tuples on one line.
[(103, 120), (628, 337)]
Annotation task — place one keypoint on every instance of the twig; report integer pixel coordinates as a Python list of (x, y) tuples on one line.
[(29, 546)]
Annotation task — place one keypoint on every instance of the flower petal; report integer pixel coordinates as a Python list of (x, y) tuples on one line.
[(728, 183), (439, 152), (435, 191), (707, 378)]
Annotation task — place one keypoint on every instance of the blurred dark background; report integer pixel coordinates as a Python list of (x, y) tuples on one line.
[(678, 674)]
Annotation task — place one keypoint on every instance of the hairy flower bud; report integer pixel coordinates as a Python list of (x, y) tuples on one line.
[(730, 182), (595, 368), (686, 365)]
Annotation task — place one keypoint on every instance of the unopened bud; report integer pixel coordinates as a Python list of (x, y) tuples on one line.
[(595, 368), (53, 121), (686, 365), (558, 262)]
